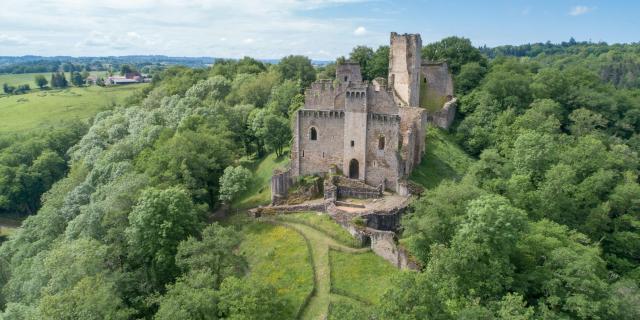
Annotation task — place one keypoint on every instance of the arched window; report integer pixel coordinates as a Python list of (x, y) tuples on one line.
[(345, 78), (313, 134), (381, 143)]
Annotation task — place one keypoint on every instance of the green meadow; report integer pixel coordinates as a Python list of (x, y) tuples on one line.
[(29, 78), (38, 109)]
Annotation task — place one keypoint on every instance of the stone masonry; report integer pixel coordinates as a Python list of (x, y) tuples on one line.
[(370, 131)]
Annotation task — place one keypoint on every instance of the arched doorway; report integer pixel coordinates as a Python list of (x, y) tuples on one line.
[(354, 169)]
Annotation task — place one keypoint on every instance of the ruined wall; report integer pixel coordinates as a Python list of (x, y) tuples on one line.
[(379, 99), (355, 128), (321, 95), (438, 78), (404, 67), (383, 243), (413, 126), (348, 71), (281, 181), (444, 117), (382, 164), (316, 156)]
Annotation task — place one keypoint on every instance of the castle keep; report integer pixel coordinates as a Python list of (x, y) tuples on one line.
[(372, 131)]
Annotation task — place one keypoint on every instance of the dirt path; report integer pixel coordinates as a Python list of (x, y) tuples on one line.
[(320, 244)]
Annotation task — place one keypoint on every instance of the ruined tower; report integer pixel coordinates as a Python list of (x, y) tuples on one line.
[(404, 68)]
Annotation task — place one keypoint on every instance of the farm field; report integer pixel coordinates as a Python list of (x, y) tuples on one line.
[(38, 109), (28, 78)]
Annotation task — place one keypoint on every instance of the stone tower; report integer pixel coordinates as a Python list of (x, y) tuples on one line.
[(404, 68)]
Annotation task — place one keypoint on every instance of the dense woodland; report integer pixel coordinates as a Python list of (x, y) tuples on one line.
[(545, 223)]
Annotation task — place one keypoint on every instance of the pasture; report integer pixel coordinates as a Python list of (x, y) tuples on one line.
[(41, 109), (29, 78)]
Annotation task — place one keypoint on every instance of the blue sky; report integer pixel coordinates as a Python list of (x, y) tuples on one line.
[(321, 29)]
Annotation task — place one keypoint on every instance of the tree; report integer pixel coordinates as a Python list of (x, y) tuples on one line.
[(297, 68), (362, 55), (7, 88), (378, 64), (41, 81), (469, 77), (274, 131), (158, 222), (192, 296), (125, 68), (92, 298), (76, 79), (233, 182), (457, 51), (214, 253)]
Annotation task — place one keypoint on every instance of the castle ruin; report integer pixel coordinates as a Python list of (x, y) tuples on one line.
[(373, 132)]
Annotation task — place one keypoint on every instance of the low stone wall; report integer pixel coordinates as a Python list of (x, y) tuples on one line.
[(384, 244), (272, 210), (281, 181), (347, 188), (444, 118)]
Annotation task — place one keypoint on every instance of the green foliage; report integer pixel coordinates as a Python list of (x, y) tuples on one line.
[(90, 298), (158, 222), (41, 81), (457, 51), (233, 182), (297, 68), (192, 296)]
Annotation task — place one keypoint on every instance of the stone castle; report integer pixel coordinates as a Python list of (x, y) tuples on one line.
[(373, 131)]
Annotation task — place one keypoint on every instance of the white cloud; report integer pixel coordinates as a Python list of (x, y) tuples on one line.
[(220, 28), (580, 10), (7, 40), (360, 31)]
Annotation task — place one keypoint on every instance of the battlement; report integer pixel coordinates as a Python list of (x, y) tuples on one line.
[(321, 95)]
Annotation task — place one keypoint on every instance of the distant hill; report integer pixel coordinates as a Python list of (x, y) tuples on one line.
[(31, 64)]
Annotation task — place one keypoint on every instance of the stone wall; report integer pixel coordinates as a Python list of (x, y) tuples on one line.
[(404, 67), (317, 156), (355, 128), (438, 79), (281, 181), (384, 244), (382, 164), (445, 117), (348, 71)]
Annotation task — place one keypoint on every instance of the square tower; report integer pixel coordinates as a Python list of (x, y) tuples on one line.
[(404, 68)]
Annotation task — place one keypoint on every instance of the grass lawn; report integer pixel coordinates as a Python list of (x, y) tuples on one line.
[(323, 223), (443, 159), (259, 191), (279, 256), (29, 78), (20, 113), (344, 308), (364, 276)]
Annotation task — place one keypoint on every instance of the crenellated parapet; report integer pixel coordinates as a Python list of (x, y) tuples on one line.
[(321, 95)]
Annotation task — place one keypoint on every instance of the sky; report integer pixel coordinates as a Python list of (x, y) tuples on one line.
[(320, 29)]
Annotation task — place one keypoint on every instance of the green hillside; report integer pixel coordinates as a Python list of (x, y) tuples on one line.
[(443, 159), (20, 113), (29, 78)]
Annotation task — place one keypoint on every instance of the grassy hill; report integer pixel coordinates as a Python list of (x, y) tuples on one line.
[(259, 192), (20, 113), (443, 159), (29, 78)]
